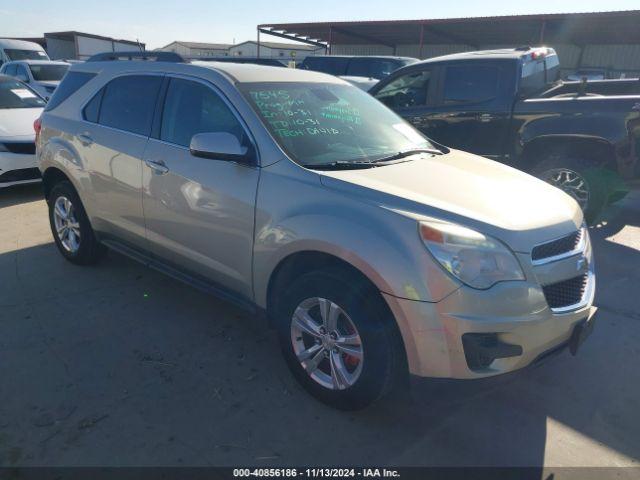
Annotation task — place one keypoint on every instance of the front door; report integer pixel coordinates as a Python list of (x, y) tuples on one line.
[(199, 212)]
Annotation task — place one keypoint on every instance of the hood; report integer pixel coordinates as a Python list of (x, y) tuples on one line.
[(17, 122), (473, 191)]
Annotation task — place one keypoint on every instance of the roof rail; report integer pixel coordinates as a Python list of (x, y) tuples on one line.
[(147, 56), (523, 48)]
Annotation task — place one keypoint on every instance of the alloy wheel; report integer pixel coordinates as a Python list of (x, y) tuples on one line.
[(66, 223), (570, 182), (327, 343)]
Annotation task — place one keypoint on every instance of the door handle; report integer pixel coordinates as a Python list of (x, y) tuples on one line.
[(485, 117), (158, 167), (85, 139)]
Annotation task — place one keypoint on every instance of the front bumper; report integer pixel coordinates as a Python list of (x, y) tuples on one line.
[(512, 321), (433, 332), (16, 168)]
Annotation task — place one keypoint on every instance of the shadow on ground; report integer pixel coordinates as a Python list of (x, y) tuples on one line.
[(118, 365)]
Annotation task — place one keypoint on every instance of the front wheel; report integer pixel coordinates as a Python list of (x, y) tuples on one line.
[(339, 340)]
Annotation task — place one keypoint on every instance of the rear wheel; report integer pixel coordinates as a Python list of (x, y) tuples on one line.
[(338, 339), (70, 226)]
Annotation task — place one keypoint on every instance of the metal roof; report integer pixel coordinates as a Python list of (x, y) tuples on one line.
[(201, 45), (619, 27)]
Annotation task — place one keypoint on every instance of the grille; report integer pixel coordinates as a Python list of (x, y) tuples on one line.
[(557, 247), (566, 293), (28, 148)]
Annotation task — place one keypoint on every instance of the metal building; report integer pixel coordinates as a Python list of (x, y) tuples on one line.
[(195, 50), (80, 46), (606, 40)]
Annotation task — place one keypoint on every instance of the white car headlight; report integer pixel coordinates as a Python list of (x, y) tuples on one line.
[(475, 259)]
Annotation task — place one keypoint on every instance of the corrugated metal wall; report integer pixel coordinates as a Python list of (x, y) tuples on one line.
[(615, 58)]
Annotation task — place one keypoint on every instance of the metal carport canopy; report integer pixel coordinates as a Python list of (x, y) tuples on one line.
[(620, 27)]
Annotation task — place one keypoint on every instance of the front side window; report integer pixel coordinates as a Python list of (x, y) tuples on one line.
[(128, 103), (14, 94), (47, 73), (191, 108), (324, 123), (17, 54), (470, 84), (406, 91)]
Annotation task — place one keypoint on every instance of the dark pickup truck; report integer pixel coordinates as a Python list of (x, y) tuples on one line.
[(509, 105)]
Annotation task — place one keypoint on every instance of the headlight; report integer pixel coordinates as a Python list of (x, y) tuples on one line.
[(475, 259)]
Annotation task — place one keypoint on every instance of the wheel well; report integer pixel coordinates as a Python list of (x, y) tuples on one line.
[(298, 264), (51, 177), (599, 151)]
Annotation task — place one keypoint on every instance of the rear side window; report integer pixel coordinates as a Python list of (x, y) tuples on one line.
[(128, 103), (11, 70), (470, 84), (191, 108), (69, 85), (92, 109)]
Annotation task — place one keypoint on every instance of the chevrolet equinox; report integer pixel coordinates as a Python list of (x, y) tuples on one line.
[(374, 252)]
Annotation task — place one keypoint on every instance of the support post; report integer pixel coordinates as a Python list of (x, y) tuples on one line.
[(421, 40), (330, 38), (258, 44), (543, 26)]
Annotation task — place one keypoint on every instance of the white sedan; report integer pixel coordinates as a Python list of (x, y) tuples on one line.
[(43, 76), (19, 108)]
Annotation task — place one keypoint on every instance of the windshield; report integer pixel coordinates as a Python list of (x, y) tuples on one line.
[(14, 94), (44, 73), (16, 54), (319, 123)]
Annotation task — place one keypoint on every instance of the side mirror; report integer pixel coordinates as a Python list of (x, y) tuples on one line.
[(220, 146)]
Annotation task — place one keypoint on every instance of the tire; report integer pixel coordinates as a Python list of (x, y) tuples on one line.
[(72, 234), (568, 173), (361, 313)]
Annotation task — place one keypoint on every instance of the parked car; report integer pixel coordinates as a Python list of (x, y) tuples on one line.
[(270, 62), (355, 66), (372, 250), (508, 105), (43, 76), (20, 50), (19, 108)]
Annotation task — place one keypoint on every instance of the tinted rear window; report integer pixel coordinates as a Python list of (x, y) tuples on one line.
[(128, 103), (69, 85), (47, 73), (470, 84), (331, 65)]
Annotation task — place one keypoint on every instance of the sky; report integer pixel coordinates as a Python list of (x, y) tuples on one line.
[(159, 22)]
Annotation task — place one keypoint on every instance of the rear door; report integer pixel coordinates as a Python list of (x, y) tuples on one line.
[(199, 212), (473, 107), (112, 140)]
